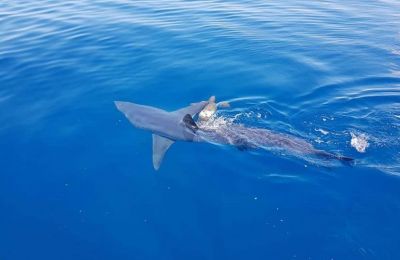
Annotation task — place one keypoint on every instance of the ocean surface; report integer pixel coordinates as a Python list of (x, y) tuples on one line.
[(76, 178)]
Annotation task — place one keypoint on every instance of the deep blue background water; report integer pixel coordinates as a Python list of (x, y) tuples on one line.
[(76, 179)]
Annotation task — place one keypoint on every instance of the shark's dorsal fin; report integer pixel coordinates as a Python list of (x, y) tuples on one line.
[(189, 123), (193, 109), (160, 147)]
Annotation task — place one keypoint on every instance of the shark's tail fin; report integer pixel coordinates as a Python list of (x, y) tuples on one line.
[(343, 159)]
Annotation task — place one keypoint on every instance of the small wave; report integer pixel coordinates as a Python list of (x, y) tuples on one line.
[(322, 131), (250, 114), (282, 178), (248, 98)]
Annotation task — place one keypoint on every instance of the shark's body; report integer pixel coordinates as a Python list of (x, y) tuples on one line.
[(179, 125)]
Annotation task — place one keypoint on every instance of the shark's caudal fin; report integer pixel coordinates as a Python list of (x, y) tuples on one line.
[(344, 159), (160, 147)]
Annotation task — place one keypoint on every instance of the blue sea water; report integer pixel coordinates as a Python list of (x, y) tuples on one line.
[(76, 179)]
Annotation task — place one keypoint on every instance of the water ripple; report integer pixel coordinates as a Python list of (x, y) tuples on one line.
[(283, 66)]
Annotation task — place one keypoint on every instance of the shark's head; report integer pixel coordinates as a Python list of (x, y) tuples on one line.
[(176, 125), (144, 117), (166, 127)]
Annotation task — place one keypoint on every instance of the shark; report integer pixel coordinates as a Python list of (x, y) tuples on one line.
[(168, 127)]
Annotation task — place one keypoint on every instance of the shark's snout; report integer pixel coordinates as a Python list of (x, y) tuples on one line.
[(119, 105)]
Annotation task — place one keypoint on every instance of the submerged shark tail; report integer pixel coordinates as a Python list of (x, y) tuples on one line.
[(343, 159)]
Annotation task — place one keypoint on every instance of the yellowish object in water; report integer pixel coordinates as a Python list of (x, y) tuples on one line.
[(211, 109)]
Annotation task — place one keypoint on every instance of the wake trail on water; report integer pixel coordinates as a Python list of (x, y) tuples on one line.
[(265, 139), (371, 137)]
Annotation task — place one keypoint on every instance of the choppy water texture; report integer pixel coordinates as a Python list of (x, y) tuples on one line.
[(76, 180)]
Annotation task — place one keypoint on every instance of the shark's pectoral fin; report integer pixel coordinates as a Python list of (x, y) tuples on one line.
[(160, 147)]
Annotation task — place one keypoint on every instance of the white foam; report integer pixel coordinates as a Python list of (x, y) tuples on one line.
[(215, 123), (318, 140), (359, 142), (249, 114)]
